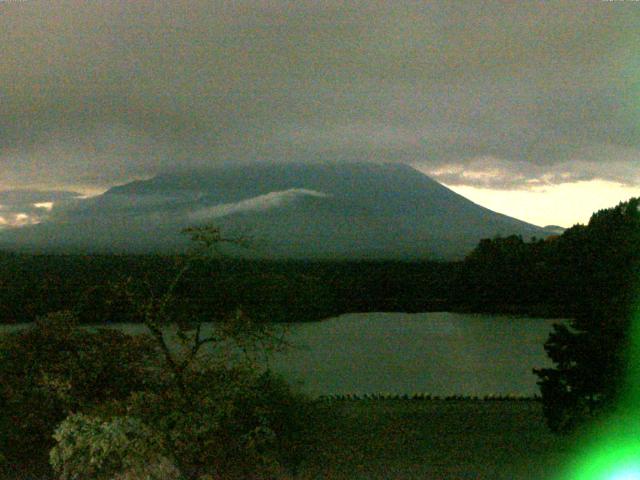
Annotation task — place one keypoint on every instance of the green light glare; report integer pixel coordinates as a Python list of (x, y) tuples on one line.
[(610, 452), (610, 449), (630, 400), (628, 474)]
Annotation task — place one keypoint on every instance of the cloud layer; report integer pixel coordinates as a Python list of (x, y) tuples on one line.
[(475, 93), (255, 204), (28, 207)]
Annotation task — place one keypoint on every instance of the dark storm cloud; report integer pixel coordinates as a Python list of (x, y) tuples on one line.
[(478, 93)]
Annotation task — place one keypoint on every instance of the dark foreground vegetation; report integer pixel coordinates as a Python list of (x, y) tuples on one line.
[(103, 405), (423, 439), (78, 404), (595, 357)]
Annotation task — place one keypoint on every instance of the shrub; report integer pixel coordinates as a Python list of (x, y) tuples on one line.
[(54, 368), (233, 422), (120, 448)]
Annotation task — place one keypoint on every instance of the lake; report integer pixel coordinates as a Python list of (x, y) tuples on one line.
[(437, 353), (398, 353)]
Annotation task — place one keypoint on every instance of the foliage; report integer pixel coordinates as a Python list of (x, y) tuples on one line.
[(273, 290), (214, 418), (216, 414), (507, 274), (233, 422), (122, 447), (54, 367), (590, 355)]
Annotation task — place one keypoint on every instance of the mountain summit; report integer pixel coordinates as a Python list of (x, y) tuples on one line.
[(330, 210)]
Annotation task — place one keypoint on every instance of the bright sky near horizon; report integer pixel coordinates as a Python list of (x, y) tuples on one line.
[(530, 109), (564, 204)]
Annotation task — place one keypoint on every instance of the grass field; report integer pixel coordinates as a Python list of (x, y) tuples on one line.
[(428, 440), (405, 439)]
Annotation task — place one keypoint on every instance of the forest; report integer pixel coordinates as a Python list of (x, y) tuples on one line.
[(549, 277)]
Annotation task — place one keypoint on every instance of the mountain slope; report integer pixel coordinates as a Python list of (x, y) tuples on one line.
[(343, 210)]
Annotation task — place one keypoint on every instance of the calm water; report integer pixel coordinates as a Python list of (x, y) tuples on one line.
[(436, 353)]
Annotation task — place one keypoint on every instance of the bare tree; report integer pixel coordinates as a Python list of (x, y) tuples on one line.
[(233, 332)]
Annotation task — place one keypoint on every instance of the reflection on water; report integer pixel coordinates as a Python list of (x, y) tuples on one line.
[(436, 353)]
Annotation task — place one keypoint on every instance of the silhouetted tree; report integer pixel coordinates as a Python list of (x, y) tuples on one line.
[(600, 265)]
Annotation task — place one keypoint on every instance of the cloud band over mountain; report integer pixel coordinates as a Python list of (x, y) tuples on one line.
[(255, 204)]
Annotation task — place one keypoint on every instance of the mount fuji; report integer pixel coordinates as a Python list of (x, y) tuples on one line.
[(291, 210)]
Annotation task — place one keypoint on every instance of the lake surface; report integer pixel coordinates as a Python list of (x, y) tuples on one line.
[(437, 353), (399, 353)]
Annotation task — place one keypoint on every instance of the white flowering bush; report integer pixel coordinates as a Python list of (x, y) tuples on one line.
[(121, 448)]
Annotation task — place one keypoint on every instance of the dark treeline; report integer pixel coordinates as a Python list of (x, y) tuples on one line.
[(590, 269), (33, 285), (556, 276)]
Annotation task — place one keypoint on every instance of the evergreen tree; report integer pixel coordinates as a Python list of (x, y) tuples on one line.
[(600, 265)]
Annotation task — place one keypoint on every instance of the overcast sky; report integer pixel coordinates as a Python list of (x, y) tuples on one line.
[(510, 103)]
